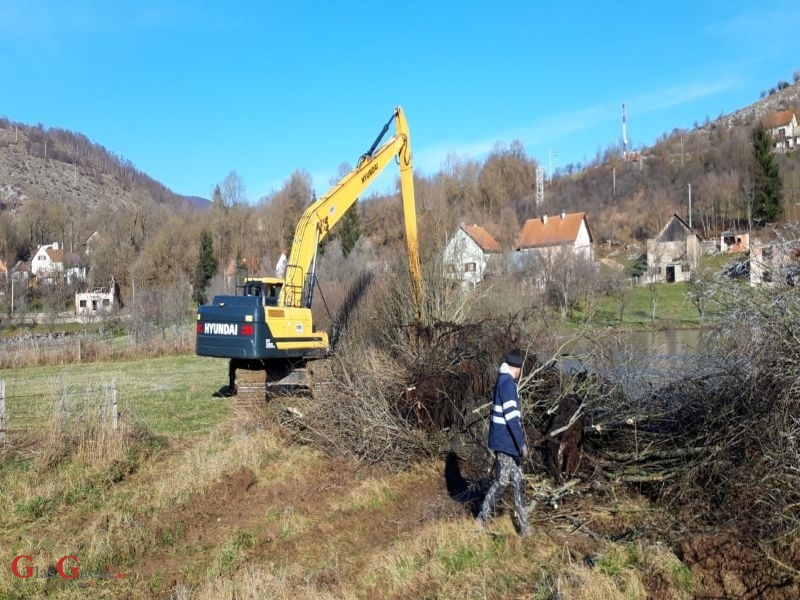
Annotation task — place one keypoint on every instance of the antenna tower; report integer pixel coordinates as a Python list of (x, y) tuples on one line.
[(624, 135)]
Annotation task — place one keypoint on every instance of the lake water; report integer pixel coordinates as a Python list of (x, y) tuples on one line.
[(668, 343), (641, 360)]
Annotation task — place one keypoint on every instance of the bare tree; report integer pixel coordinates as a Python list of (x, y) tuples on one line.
[(619, 290), (233, 189), (655, 289)]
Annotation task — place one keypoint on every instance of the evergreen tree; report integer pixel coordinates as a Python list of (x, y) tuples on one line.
[(351, 230), (206, 268), (767, 184)]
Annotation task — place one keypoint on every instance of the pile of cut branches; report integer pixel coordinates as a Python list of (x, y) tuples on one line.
[(413, 400)]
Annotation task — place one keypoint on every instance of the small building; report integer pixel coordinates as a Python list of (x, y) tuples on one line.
[(672, 256), (731, 241), (21, 271), (469, 253), (774, 264), (98, 301), (90, 241)]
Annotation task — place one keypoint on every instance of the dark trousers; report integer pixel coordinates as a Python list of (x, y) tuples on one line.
[(506, 469)]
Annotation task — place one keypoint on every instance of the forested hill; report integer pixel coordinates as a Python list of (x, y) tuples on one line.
[(54, 164), (57, 185)]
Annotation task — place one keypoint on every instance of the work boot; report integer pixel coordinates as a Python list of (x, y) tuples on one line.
[(522, 524)]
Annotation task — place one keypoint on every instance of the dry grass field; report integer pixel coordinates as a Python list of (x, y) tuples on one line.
[(191, 496)]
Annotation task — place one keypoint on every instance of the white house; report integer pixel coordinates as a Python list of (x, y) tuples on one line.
[(468, 254), (48, 262), (783, 127), (547, 236)]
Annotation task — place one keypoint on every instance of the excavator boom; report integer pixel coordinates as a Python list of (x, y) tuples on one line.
[(320, 217), (269, 327)]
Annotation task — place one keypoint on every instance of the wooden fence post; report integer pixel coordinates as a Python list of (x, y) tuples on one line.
[(2, 409), (114, 408)]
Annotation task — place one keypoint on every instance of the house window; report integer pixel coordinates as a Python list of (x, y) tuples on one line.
[(451, 269), (106, 302), (83, 303), (469, 267), (41, 258)]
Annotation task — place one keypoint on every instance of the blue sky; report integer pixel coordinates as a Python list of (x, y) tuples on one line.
[(189, 91)]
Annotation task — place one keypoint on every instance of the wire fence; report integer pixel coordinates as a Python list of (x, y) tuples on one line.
[(64, 348), (68, 405)]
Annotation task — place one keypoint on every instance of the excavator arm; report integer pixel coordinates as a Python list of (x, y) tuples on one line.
[(320, 217), (268, 329)]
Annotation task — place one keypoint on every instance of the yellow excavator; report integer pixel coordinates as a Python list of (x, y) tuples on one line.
[(266, 328)]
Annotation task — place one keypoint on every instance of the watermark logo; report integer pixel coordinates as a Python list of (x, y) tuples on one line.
[(67, 570)]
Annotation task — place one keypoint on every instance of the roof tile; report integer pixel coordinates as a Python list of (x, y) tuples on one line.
[(483, 238), (550, 231)]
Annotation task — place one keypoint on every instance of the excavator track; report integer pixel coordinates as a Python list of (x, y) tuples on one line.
[(255, 387)]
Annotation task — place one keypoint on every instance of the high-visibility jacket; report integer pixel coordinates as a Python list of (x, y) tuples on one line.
[(505, 427)]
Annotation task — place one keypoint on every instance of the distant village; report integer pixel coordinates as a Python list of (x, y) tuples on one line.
[(472, 254)]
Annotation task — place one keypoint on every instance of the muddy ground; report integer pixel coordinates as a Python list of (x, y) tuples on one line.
[(583, 524)]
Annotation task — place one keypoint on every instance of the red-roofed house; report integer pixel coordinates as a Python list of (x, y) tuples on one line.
[(51, 264), (469, 252), (48, 262), (783, 127), (545, 236)]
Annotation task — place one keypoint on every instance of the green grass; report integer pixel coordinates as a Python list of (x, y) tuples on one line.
[(171, 395), (458, 560), (673, 310), (233, 552)]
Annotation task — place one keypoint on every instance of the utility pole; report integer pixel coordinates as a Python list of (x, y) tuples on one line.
[(690, 206), (614, 183)]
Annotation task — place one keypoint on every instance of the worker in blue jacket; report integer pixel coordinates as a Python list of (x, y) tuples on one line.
[(507, 440)]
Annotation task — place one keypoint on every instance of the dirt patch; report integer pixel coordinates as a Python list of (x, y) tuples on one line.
[(194, 533), (723, 568)]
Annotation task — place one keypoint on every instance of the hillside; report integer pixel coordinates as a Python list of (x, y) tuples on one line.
[(54, 165), (73, 186), (787, 97)]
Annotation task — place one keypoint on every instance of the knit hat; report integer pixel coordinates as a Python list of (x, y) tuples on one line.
[(514, 358)]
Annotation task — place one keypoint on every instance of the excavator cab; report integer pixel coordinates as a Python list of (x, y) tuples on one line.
[(266, 289)]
